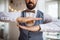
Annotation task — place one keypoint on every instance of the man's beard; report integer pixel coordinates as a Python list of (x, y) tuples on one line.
[(30, 6)]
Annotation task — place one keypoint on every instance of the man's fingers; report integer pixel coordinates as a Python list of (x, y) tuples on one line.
[(28, 19), (33, 19), (38, 19)]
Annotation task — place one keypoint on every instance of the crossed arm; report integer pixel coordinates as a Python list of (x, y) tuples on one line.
[(29, 28), (51, 26)]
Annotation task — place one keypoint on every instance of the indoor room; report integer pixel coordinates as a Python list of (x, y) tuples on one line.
[(11, 9)]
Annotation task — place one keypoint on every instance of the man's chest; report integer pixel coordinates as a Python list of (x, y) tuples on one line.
[(29, 14)]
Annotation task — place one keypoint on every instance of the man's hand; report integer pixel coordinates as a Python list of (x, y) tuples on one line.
[(25, 19), (32, 28)]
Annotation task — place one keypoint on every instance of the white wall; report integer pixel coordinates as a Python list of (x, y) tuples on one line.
[(51, 0), (3, 5), (52, 8), (41, 5), (59, 9)]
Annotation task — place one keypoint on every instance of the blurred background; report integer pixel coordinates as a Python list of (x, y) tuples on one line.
[(9, 31)]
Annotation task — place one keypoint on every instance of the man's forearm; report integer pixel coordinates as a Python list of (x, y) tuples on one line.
[(32, 28)]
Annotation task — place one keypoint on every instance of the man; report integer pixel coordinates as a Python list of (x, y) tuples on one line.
[(34, 32), (29, 34)]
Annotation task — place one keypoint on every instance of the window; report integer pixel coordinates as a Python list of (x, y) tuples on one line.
[(52, 9)]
